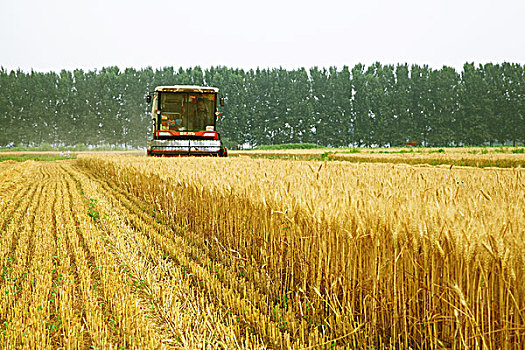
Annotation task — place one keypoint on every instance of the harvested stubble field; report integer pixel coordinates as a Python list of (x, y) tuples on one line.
[(133, 252)]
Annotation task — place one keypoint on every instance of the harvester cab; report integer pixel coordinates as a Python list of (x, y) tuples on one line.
[(185, 122)]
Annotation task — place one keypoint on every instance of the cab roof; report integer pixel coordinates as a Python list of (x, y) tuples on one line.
[(187, 88)]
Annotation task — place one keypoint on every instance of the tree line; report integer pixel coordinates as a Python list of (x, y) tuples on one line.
[(360, 106)]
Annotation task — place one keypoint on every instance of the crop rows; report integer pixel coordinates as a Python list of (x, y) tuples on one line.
[(129, 252), (60, 288), (337, 254)]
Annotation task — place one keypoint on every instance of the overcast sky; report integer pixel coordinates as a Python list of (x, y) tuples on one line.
[(50, 35)]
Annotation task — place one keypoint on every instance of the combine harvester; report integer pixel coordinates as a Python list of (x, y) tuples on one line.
[(184, 122)]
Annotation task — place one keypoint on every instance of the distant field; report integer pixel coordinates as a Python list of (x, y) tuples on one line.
[(123, 251), (501, 157), (22, 156)]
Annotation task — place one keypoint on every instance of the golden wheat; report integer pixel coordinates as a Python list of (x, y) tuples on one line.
[(112, 251), (374, 253)]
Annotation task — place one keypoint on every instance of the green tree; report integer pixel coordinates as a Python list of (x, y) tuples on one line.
[(476, 108), (401, 121), (362, 127), (444, 95)]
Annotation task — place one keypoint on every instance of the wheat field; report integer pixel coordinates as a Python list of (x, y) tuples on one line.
[(117, 252)]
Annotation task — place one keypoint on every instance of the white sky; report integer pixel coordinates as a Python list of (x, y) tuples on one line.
[(47, 35)]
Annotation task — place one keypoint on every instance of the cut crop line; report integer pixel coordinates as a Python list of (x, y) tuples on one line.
[(239, 290), (72, 309), (11, 205), (205, 253), (96, 306), (23, 219), (140, 256), (106, 275), (142, 238), (32, 273), (208, 281)]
